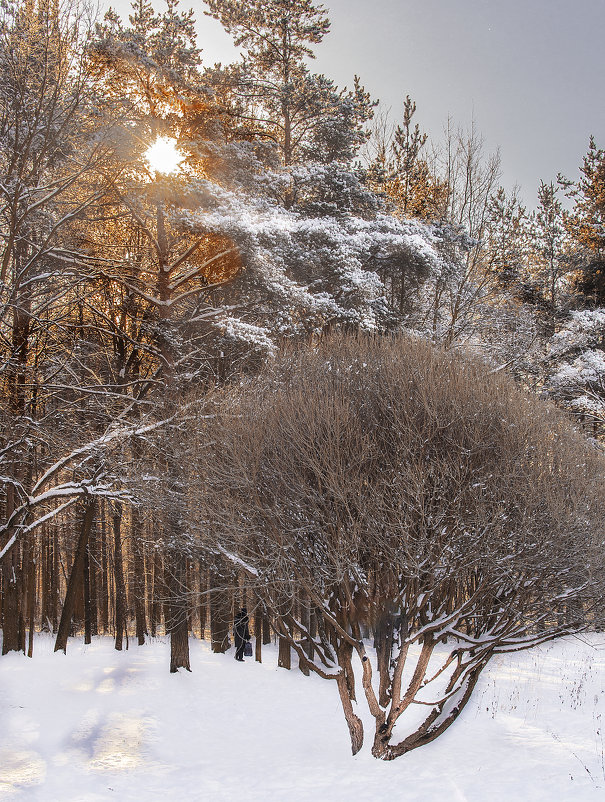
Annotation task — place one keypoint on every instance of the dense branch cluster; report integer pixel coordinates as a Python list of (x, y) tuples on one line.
[(384, 485)]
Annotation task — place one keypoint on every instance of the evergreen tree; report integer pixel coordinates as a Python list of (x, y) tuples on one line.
[(274, 94), (508, 238), (586, 223), (400, 171), (551, 258)]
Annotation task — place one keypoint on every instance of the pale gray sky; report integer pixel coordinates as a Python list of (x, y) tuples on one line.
[(530, 72)]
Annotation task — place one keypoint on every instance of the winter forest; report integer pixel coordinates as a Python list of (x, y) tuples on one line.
[(264, 345)]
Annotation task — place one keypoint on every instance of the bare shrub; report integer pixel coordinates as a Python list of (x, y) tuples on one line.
[(386, 487)]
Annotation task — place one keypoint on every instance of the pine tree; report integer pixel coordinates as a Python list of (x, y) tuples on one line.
[(507, 238), (586, 223), (274, 94), (551, 257), (400, 171)]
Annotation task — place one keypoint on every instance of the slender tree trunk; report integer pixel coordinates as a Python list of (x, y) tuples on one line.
[(258, 634), (54, 596), (45, 578), (93, 560), (120, 588), (203, 606), (156, 592), (15, 563), (383, 642), (139, 577), (31, 599), (104, 588), (87, 605), (307, 646)]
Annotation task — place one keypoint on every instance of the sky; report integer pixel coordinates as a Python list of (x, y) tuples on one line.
[(529, 73)]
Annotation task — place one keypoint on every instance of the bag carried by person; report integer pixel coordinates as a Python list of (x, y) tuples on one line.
[(248, 649)]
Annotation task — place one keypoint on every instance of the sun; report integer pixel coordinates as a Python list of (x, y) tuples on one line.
[(163, 156)]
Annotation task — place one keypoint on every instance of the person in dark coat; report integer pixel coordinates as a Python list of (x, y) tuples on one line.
[(241, 633)]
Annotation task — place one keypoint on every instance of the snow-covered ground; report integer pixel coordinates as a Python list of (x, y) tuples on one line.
[(101, 725)]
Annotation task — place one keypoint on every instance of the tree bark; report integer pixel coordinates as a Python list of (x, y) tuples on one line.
[(10, 586), (353, 722), (87, 605), (220, 616), (266, 631), (139, 578), (383, 642), (258, 635), (75, 578), (203, 603), (120, 588), (178, 613), (156, 590), (93, 562), (104, 588), (284, 656)]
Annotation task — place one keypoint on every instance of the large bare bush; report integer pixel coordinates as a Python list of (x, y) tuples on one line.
[(385, 487)]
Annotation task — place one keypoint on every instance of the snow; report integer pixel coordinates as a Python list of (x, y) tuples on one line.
[(98, 724)]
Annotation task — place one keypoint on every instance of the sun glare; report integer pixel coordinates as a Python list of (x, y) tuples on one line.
[(163, 156)]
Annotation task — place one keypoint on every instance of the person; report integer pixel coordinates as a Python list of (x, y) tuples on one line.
[(241, 633)]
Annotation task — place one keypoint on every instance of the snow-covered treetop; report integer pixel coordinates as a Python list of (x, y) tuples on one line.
[(303, 272)]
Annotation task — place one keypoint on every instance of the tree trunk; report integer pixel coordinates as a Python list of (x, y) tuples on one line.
[(139, 578), (354, 723), (93, 562), (45, 579), (383, 642), (31, 599), (266, 631), (203, 605), (54, 596), (104, 588), (220, 616), (10, 586), (120, 589), (156, 586), (345, 652), (178, 613), (284, 655), (75, 578), (87, 605), (258, 635), (307, 645)]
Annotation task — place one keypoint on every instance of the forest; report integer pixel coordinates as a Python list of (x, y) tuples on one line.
[(263, 345)]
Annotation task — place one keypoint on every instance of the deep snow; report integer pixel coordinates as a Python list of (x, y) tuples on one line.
[(103, 725)]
